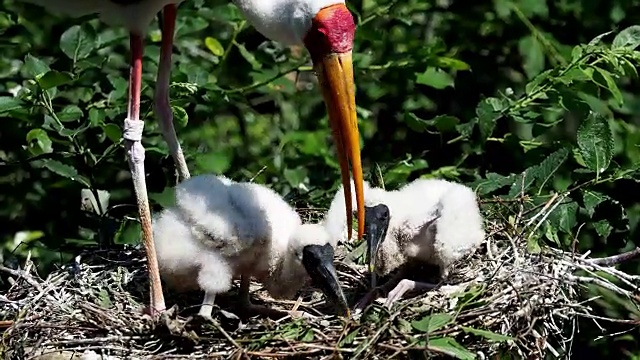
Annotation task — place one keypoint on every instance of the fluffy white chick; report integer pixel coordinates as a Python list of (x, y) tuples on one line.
[(428, 220), (220, 230)]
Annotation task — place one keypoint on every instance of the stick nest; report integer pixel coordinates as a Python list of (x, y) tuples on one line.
[(501, 299)]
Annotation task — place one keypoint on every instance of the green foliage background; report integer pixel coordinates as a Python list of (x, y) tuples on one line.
[(497, 94)]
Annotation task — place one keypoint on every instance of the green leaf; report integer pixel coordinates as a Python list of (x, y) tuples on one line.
[(113, 132), (180, 116), (350, 338), (548, 167), (565, 216), (592, 199), (128, 233), (61, 169), (295, 177), (77, 42), (533, 7), (595, 142), (247, 55), (627, 38), (451, 347), (598, 39), (434, 77), (35, 67), (217, 162), (609, 84), (96, 117), (451, 63), (533, 55), (166, 198), (38, 142), (70, 113), (492, 183), (488, 112), (533, 244), (431, 323), (489, 335), (214, 46), (603, 228), (443, 123), (54, 78), (104, 300), (8, 103)]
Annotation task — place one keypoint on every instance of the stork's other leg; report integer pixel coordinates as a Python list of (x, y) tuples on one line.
[(161, 98), (132, 135)]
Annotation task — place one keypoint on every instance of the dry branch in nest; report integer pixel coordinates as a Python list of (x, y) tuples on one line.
[(501, 299)]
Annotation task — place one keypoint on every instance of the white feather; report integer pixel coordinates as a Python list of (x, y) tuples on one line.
[(285, 21), (221, 230), (413, 233), (134, 17)]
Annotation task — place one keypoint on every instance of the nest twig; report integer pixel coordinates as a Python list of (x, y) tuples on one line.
[(502, 298)]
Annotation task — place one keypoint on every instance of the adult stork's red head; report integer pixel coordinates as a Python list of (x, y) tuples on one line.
[(326, 28)]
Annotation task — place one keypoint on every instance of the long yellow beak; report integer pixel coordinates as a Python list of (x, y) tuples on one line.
[(335, 73)]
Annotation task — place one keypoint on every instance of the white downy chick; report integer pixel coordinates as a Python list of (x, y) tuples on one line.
[(220, 230), (428, 220)]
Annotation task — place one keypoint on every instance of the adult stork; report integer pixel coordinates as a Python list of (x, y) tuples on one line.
[(325, 27)]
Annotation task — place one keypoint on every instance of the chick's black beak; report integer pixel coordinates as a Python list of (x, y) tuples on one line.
[(318, 261), (376, 220)]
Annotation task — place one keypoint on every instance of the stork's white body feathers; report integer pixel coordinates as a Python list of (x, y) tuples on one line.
[(220, 230), (285, 21), (134, 17), (431, 220)]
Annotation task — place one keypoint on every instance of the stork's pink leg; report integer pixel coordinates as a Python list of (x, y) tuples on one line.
[(132, 135), (161, 101)]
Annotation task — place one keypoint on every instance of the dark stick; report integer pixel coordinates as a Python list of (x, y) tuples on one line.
[(617, 259)]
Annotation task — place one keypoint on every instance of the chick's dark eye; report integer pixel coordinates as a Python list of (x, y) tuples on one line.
[(383, 213)]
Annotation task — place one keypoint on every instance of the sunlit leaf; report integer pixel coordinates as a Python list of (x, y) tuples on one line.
[(8, 103), (489, 335), (451, 347), (35, 67), (434, 77), (214, 46), (627, 38), (595, 142), (533, 54), (431, 323), (113, 132), (77, 42), (180, 116), (54, 78), (39, 142)]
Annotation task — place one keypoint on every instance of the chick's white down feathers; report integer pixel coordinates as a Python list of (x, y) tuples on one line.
[(220, 230), (430, 220)]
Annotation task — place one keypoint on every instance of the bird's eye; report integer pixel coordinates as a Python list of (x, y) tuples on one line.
[(383, 213)]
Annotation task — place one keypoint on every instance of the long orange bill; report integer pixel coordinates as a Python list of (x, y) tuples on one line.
[(335, 73)]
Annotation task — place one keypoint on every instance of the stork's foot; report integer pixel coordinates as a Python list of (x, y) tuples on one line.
[(404, 286)]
